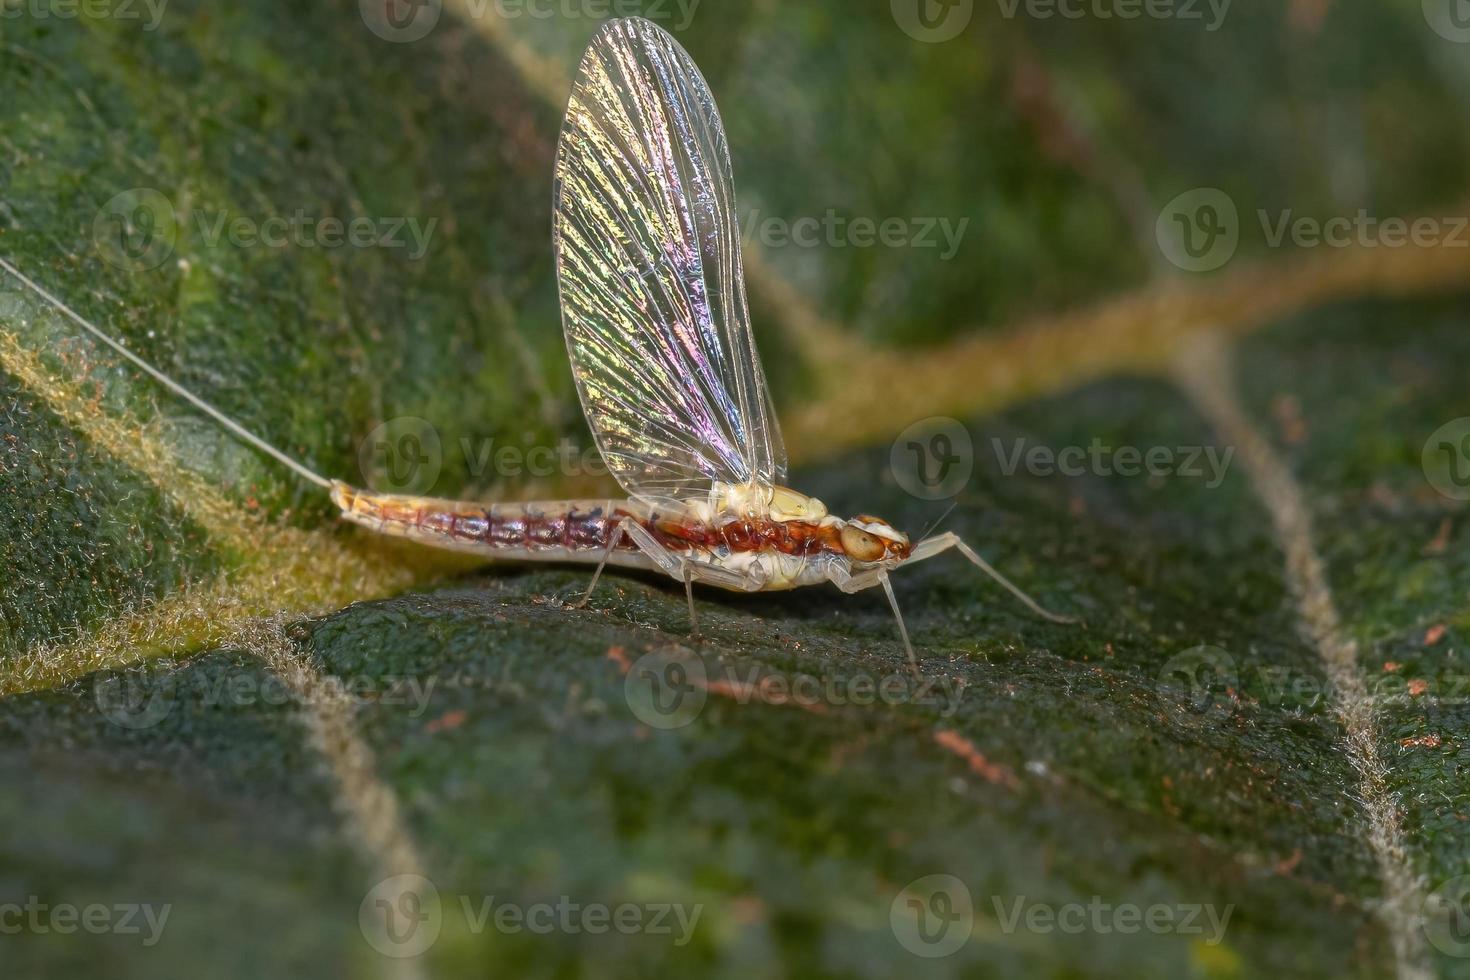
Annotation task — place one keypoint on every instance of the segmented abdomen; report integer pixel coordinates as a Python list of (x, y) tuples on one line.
[(570, 527)]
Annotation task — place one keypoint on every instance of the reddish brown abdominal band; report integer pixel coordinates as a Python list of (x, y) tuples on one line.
[(592, 530)]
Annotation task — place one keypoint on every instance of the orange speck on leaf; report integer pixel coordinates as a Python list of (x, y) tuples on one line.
[(1441, 539), (991, 772), (1288, 412), (446, 722), (1418, 686), (1421, 741), (1434, 634), (1288, 864), (1391, 666), (619, 656), (746, 909)]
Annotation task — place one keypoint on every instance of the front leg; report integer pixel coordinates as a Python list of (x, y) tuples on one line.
[(939, 544)]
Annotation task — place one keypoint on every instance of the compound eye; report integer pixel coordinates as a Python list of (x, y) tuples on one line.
[(860, 545)]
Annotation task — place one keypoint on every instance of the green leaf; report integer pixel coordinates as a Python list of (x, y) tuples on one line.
[(225, 708)]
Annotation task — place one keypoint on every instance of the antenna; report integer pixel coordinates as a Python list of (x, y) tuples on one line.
[(229, 424)]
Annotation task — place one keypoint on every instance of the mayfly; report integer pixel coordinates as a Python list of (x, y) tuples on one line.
[(654, 312)]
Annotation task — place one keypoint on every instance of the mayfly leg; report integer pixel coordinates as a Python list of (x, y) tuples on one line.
[(930, 547), (661, 556), (613, 541), (924, 550), (903, 631), (689, 594)]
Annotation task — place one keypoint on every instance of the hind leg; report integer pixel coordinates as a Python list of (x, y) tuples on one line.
[(674, 565)]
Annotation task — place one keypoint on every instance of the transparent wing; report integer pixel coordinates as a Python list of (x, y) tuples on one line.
[(648, 264)]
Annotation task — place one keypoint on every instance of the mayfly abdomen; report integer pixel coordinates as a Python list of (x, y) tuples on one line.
[(563, 530)]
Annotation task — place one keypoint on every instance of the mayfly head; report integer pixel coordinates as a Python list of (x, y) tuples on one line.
[(872, 540)]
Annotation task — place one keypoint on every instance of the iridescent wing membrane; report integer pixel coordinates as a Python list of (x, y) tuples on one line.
[(648, 265)]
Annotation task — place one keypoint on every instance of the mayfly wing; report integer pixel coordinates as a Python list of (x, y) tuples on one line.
[(648, 264)]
